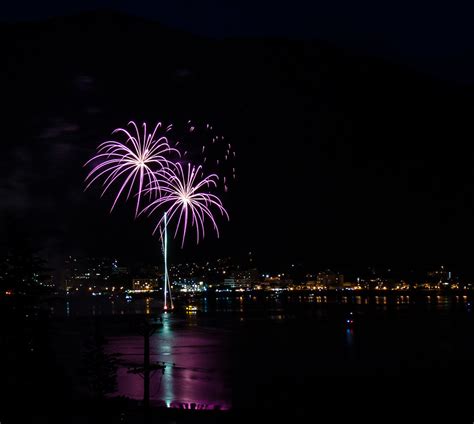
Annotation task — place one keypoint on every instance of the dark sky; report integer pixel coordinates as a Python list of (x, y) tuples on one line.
[(434, 36), (355, 148)]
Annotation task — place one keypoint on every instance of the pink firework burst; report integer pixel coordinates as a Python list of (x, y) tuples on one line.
[(186, 200), (131, 164)]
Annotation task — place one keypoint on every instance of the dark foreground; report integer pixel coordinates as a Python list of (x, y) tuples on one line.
[(292, 360)]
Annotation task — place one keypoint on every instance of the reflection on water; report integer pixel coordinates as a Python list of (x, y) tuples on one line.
[(196, 359), (196, 348), (349, 337), (243, 303)]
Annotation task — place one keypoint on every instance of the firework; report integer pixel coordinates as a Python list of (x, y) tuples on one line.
[(141, 165), (185, 199), (131, 164), (201, 144)]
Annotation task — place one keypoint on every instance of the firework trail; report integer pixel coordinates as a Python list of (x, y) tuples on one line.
[(185, 200), (132, 163)]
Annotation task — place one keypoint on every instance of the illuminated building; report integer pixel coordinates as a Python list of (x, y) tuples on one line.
[(330, 280), (80, 273), (230, 283), (145, 284)]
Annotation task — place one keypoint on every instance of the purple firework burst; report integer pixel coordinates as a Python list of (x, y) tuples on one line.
[(131, 164), (185, 199)]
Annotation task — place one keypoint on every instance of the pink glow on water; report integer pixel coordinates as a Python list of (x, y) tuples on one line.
[(197, 366)]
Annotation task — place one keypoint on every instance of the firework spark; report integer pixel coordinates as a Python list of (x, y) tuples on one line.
[(200, 144), (185, 200), (132, 163)]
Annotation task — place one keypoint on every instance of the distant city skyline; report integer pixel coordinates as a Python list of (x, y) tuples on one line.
[(110, 271)]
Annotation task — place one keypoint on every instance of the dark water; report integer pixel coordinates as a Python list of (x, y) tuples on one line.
[(197, 360), (298, 351)]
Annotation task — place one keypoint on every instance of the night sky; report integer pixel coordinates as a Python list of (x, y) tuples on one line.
[(435, 37), (352, 126)]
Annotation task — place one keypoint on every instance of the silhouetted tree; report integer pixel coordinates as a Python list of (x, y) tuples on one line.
[(22, 270), (100, 367)]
